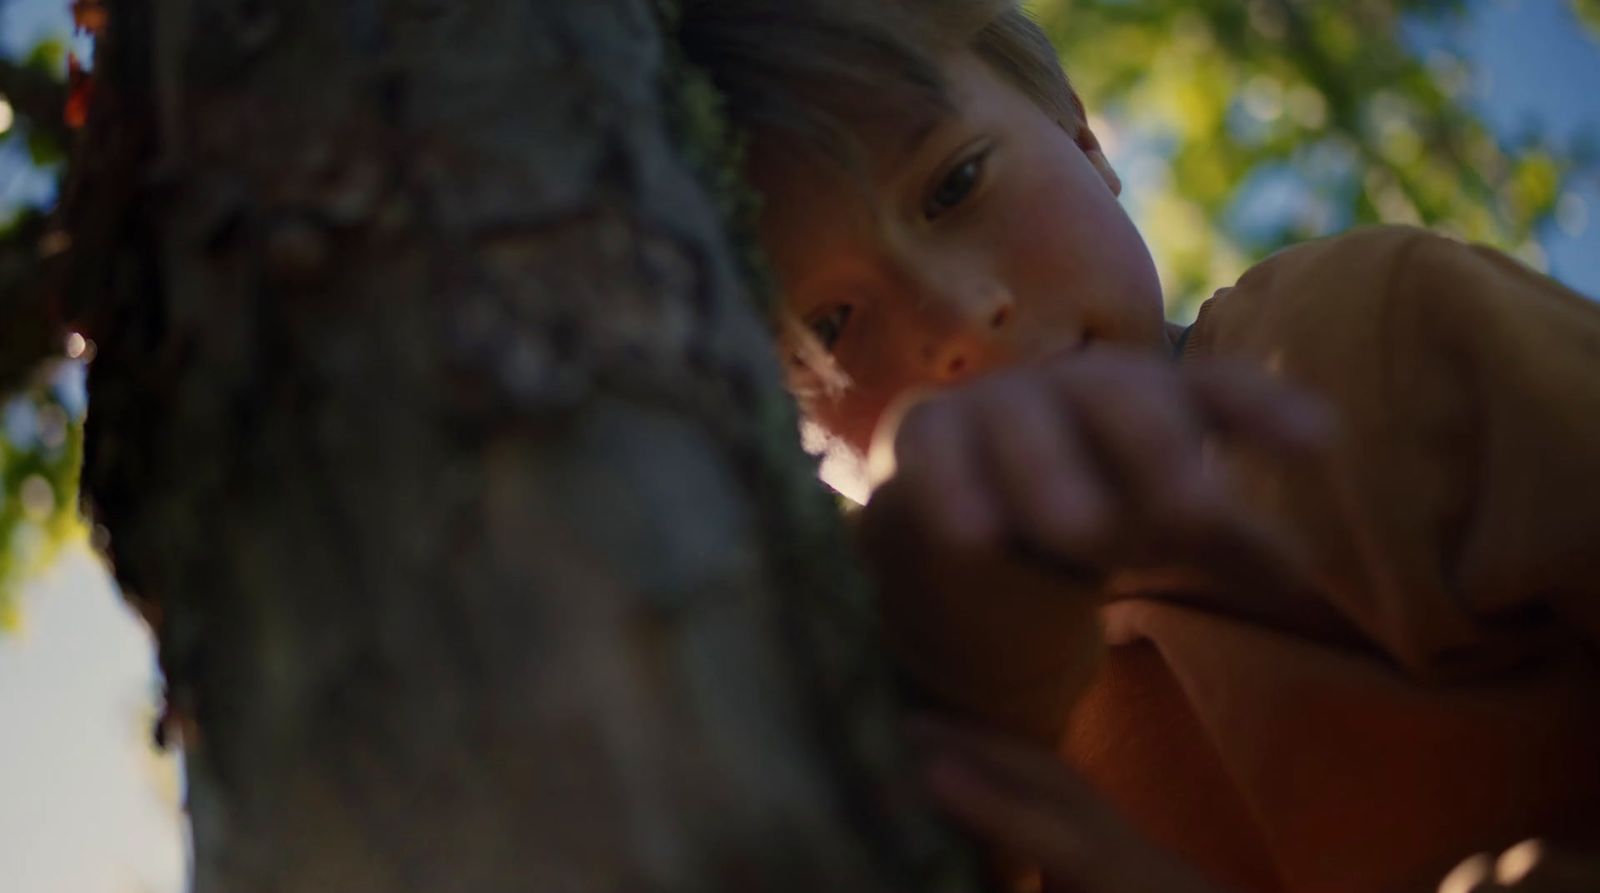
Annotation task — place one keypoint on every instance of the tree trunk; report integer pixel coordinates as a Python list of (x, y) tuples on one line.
[(434, 431)]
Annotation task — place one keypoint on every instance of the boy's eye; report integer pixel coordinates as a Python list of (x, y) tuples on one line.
[(829, 326), (955, 187)]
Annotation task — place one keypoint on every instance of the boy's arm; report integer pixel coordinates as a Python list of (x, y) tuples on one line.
[(1458, 510), (1530, 539), (995, 641), (1013, 497), (1028, 801)]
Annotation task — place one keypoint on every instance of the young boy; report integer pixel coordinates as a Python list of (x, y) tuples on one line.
[(1341, 532)]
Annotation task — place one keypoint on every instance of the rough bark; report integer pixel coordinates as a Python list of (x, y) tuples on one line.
[(434, 432)]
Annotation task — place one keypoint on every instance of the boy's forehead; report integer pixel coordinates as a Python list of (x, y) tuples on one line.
[(883, 140), (812, 211), (870, 135), (894, 137), (872, 141), (802, 185)]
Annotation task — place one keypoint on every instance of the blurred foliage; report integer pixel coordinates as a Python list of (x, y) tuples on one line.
[(1588, 12), (1267, 122), (41, 149), (41, 431), (41, 450)]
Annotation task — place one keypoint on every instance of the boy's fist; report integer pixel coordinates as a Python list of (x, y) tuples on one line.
[(1094, 462), (1013, 494)]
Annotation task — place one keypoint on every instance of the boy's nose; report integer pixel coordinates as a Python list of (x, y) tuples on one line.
[(968, 346)]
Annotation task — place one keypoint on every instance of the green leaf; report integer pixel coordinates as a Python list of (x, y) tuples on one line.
[(1328, 97), (1588, 13), (42, 150), (49, 56), (38, 486)]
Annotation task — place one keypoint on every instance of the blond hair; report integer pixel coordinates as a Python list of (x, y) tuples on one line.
[(803, 78), (802, 75)]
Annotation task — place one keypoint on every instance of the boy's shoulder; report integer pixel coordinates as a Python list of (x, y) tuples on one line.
[(1369, 259), (1366, 278)]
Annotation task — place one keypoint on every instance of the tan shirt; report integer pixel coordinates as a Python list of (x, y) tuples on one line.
[(1443, 695)]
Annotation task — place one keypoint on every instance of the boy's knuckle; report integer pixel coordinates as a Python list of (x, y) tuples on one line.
[(921, 427)]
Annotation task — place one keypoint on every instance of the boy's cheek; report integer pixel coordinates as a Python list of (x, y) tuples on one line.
[(1077, 265), (1044, 252), (851, 417), (876, 382), (1048, 241), (1039, 225)]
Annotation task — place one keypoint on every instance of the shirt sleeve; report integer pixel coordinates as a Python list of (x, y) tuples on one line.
[(1457, 519)]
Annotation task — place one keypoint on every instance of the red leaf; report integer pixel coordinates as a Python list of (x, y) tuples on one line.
[(80, 91), (90, 15)]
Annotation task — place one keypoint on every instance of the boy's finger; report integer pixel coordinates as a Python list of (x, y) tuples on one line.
[(1139, 419), (1021, 824), (938, 477), (1245, 403), (1045, 476), (1473, 875), (1528, 867)]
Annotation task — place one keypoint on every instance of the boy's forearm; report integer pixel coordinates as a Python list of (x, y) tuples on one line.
[(998, 642), (1030, 709)]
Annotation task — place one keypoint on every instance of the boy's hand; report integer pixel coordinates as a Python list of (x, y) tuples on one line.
[(1529, 867), (1033, 808), (1013, 489), (1030, 806), (1095, 462)]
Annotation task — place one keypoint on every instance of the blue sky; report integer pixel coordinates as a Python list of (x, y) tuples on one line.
[(1537, 67), (23, 23)]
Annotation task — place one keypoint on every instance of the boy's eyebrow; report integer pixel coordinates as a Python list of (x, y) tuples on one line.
[(920, 133)]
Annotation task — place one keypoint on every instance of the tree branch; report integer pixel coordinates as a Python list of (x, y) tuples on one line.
[(37, 98), (28, 331)]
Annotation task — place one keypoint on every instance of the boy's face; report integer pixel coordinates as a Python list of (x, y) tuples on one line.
[(992, 239)]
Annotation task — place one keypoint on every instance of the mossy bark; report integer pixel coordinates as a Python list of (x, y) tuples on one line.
[(433, 429)]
